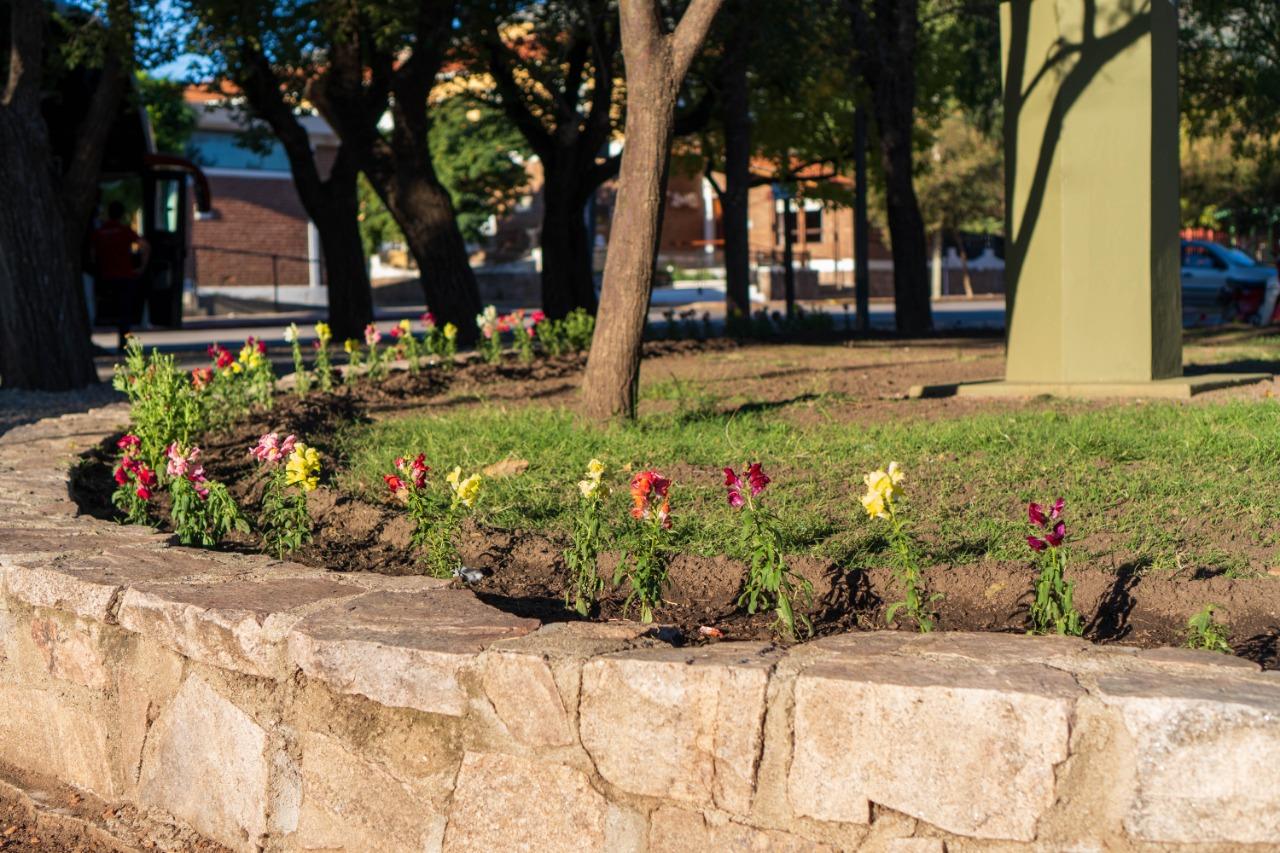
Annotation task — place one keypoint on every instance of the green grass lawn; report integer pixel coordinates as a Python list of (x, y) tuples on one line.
[(1158, 485)]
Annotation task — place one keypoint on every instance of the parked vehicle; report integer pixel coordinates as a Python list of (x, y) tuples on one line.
[(1220, 283)]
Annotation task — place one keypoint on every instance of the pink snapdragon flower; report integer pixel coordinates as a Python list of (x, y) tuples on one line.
[(1053, 525), (183, 464), (271, 448), (428, 320), (371, 335)]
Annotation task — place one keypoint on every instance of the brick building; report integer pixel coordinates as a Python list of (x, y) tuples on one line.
[(257, 242)]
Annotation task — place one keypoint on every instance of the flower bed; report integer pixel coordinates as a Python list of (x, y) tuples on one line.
[(611, 564)]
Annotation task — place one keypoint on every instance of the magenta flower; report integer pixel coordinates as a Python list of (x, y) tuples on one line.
[(129, 444), (734, 486), (1055, 534), (415, 469), (757, 478)]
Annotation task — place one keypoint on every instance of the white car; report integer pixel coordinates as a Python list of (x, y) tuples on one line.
[(1213, 279)]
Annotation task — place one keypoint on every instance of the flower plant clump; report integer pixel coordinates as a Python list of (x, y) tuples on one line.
[(354, 359), (376, 359), (323, 367), (294, 470), (164, 406), (770, 582), (523, 335), (436, 517), (203, 511), (135, 482), (490, 343), (448, 345), (881, 502), (407, 345), (258, 372), (301, 379), (644, 562), (1052, 610), (585, 544)]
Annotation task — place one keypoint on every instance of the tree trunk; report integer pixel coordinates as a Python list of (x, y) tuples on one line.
[(346, 273), (965, 277), (422, 208), (44, 329), (568, 280), (735, 116), (613, 367), (912, 312)]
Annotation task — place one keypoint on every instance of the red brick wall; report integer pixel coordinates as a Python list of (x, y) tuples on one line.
[(262, 216)]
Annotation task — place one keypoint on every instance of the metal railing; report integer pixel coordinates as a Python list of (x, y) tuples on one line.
[(276, 258)]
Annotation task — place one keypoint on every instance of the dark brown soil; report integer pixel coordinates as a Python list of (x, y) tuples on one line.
[(523, 570)]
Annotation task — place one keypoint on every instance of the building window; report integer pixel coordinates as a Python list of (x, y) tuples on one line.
[(811, 222), (217, 150)]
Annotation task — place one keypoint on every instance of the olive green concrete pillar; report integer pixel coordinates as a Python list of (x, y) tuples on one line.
[(1091, 188), (1091, 100)]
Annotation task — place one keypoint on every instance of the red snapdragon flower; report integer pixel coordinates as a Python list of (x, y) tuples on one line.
[(537, 317), (259, 345), (201, 377), (647, 488), (755, 479), (221, 356), (129, 444), (428, 320), (1055, 528), (415, 469)]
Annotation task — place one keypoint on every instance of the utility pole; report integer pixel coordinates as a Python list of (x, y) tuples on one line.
[(862, 270)]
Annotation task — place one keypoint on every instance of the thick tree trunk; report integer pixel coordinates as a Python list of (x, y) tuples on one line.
[(422, 208), (735, 116), (613, 367), (350, 294), (44, 330), (568, 280)]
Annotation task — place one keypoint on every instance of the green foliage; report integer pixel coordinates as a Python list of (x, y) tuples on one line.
[(572, 334), (585, 543), (172, 119), (1205, 632), (301, 378), (770, 581), (916, 602), (377, 227), (283, 520), (1052, 608), (204, 521), (644, 566), (164, 407), (479, 156)]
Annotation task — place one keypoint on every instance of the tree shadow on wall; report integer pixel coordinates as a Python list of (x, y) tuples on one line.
[(1075, 64)]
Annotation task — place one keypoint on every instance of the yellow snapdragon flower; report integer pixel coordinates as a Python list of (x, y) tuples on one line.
[(324, 333), (465, 491), (350, 345), (250, 357), (450, 331), (882, 490), (589, 486), (303, 467), (405, 328)]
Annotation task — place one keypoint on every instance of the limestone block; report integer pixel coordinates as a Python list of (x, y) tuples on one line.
[(1207, 755), (405, 650), (523, 692), (350, 802), (674, 830), (514, 804), (682, 724), (45, 732), (239, 625), (966, 747), (206, 762)]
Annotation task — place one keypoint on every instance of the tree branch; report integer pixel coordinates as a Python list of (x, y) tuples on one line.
[(690, 34), (26, 40)]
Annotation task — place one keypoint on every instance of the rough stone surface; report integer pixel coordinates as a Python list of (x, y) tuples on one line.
[(71, 649), (206, 762), (239, 625), (683, 724), (523, 693), (508, 803), (401, 649), (673, 830), (40, 731), (350, 802), (969, 748), (1207, 756)]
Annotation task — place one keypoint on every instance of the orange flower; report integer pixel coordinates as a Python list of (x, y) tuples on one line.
[(646, 487)]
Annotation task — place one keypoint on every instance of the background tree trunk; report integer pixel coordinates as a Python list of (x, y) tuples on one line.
[(656, 64), (568, 277), (346, 270), (885, 34), (735, 116), (407, 184), (44, 329)]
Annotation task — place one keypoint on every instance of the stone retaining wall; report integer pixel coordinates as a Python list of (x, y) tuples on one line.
[(273, 706)]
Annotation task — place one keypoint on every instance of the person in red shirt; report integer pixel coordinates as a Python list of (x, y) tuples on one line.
[(113, 246)]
